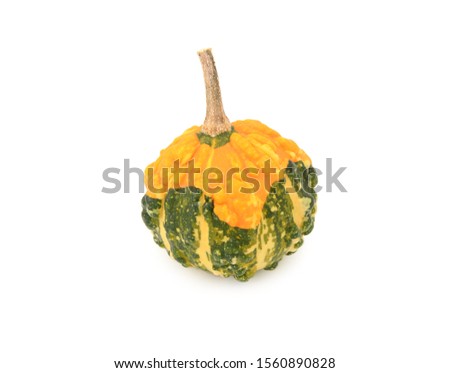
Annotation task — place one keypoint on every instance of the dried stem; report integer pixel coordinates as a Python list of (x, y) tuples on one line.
[(216, 121)]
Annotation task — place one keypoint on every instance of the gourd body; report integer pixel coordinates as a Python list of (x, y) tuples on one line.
[(233, 227)]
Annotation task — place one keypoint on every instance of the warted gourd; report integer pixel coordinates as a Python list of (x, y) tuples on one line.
[(229, 198)]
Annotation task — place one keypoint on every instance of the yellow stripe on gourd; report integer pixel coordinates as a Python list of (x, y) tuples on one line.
[(162, 230)]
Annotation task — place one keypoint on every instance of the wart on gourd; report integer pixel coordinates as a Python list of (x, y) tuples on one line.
[(227, 230)]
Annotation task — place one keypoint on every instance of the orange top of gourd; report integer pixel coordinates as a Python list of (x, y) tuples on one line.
[(250, 146)]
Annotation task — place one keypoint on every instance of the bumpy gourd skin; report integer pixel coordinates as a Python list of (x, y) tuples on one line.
[(233, 234), (249, 144)]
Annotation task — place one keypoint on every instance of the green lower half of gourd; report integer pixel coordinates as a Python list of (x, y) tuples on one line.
[(184, 223)]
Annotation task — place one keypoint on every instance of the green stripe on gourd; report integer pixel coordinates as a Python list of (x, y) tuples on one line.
[(230, 246), (282, 231), (233, 251), (151, 209), (304, 180), (181, 210)]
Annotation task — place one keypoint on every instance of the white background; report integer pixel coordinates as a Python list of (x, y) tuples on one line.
[(86, 84)]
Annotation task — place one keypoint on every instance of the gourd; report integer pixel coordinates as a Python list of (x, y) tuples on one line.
[(242, 224)]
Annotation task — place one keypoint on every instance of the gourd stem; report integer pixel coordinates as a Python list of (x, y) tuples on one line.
[(216, 121)]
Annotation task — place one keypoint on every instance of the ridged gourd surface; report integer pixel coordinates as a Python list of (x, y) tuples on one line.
[(231, 232)]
